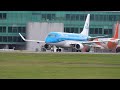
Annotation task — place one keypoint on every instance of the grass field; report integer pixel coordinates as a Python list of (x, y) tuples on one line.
[(57, 66)]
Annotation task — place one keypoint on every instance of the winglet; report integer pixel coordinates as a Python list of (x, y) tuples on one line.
[(22, 37), (38, 41)]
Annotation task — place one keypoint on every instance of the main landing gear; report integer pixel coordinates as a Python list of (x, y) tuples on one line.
[(58, 50)]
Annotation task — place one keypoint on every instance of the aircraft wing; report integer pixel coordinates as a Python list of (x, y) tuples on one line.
[(98, 37), (97, 46), (38, 41), (90, 42)]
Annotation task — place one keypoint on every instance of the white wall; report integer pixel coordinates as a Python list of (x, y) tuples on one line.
[(39, 31)]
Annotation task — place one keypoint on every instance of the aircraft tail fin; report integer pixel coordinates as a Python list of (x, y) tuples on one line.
[(116, 31), (86, 26)]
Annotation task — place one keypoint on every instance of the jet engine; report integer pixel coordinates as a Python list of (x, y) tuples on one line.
[(78, 46), (117, 49), (48, 47), (87, 49)]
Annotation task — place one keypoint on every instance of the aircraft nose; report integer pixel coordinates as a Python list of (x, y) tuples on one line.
[(47, 40), (50, 40)]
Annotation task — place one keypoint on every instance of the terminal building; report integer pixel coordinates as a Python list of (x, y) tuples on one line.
[(37, 24)]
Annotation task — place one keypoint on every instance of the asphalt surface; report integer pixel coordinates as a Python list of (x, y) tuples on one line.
[(16, 51)]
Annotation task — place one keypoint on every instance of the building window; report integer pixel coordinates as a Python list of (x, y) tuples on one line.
[(72, 30), (96, 17), (82, 17), (96, 30), (91, 30), (75, 30), (2, 15), (19, 29), (92, 17), (49, 16), (53, 16), (73, 17), (22, 29), (44, 16), (14, 29), (81, 29), (85, 16), (9, 38), (110, 31), (106, 31), (111, 18), (4, 39), (68, 30), (2, 29), (77, 17), (0, 38), (105, 18), (15, 39), (9, 29), (67, 16), (101, 17), (64, 29), (100, 30), (117, 17)]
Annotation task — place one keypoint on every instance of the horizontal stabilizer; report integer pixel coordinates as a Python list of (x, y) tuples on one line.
[(90, 42), (99, 37)]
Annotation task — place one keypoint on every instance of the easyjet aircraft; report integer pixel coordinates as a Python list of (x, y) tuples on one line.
[(112, 42)]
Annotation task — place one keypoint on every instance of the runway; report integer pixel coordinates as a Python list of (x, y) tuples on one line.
[(24, 51)]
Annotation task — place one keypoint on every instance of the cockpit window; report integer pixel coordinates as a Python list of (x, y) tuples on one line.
[(52, 35)]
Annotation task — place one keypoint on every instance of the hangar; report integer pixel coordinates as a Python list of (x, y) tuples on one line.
[(14, 22)]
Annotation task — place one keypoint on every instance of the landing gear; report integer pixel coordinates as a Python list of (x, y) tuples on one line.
[(78, 50), (58, 50), (117, 49)]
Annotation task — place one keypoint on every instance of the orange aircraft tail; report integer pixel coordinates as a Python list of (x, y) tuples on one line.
[(116, 31)]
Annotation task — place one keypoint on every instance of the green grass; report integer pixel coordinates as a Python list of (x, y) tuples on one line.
[(71, 66)]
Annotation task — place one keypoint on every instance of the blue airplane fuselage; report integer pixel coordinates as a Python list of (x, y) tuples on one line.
[(56, 37)]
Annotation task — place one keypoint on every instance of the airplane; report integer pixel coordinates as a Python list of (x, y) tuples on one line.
[(67, 40), (112, 42)]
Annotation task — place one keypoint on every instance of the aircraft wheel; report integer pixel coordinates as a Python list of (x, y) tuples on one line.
[(59, 50), (78, 51), (117, 49)]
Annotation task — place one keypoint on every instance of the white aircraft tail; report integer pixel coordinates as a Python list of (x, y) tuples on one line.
[(86, 26)]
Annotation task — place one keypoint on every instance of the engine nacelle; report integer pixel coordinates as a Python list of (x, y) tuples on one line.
[(87, 48), (78, 46), (118, 49), (48, 47)]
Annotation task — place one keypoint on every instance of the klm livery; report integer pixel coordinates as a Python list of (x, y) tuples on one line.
[(67, 40)]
